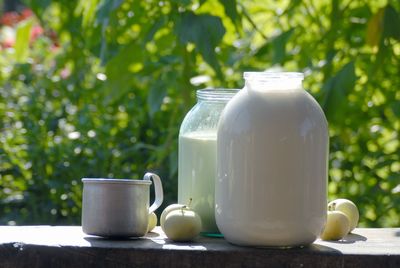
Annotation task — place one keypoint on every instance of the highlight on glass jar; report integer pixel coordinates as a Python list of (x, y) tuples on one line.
[(272, 143), (198, 152), (273, 80)]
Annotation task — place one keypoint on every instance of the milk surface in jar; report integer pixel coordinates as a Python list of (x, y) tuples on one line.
[(272, 164), (197, 155)]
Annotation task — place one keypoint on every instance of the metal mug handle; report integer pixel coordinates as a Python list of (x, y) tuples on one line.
[(159, 194)]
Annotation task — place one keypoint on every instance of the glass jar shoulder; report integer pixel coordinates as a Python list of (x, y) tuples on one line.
[(267, 107), (203, 116)]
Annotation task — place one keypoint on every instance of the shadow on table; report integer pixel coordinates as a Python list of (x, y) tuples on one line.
[(124, 242), (350, 239), (155, 241), (322, 248)]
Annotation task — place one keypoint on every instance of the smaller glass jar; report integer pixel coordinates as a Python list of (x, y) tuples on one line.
[(198, 152)]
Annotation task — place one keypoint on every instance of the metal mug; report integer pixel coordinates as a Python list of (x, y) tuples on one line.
[(119, 207)]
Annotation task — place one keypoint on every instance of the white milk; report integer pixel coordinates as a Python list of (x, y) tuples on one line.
[(272, 168), (197, 174)]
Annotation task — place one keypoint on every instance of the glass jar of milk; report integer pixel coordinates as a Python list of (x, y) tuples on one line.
[(272, 147), (198, 153)]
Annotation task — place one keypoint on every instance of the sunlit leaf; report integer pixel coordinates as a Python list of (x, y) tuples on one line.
[(154, 28), (292, 7), (87, 9), (375, 28), (22, 40)]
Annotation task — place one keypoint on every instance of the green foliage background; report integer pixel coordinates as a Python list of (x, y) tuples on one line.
[(109, 101)]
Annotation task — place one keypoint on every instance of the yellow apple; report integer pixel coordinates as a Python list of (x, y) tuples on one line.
[(152, 222), (182, 224), (348, 208), (337, 226), (168, 210)]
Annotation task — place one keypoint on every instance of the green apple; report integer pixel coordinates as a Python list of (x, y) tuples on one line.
[(337, 226), (182, 224), (348, 208), (152, 222), (168, 210)]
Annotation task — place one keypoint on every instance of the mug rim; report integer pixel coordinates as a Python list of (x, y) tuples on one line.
[(114, 181)]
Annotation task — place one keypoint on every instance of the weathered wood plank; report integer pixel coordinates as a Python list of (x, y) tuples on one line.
[(62, 246)]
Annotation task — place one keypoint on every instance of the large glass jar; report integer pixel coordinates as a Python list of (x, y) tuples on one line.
[(198, 152), (272, 163)]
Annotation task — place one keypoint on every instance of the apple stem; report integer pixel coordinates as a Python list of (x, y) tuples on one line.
[(187, 205), (332, 207)]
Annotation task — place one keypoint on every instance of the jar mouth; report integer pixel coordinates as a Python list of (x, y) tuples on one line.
[(216, 94), (273, 76)]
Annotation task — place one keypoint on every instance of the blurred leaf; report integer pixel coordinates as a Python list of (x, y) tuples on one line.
[(119, 75), (173, 162), (205, 31), (154, 28), (279, 46), (38, 6), (156, 96), (375, 28), (391, 23), (336, 90), (396, 108), (230, 7), (292, 7), (87, 9), (263, 50), (22, 40), (105, 7), (276, 46)]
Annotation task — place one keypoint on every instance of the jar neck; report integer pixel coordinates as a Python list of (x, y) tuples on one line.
[(215, 95), (276, 81)]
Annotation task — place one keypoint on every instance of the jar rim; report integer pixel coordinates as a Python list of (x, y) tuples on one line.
[(216, 94), (273, 75), (114, 181)]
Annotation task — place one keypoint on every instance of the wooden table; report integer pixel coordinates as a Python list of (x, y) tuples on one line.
[(68, 246)]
